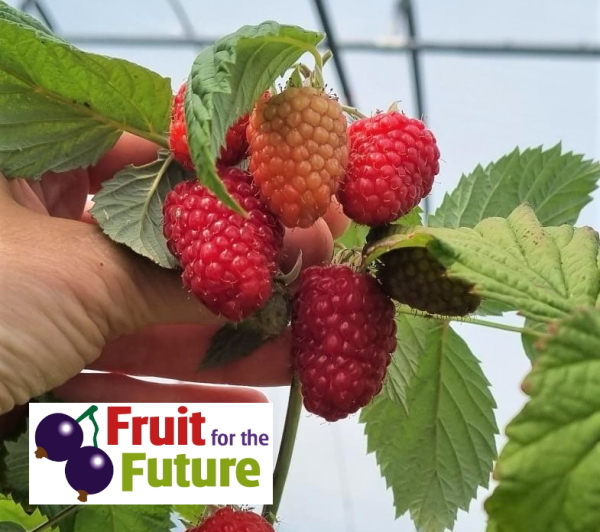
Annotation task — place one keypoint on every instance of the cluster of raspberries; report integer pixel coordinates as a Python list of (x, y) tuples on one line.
[(301, 152)]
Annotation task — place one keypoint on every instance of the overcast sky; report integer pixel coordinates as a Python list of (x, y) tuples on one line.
[(479, 108)]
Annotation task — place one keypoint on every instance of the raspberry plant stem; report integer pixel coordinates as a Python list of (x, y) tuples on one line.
[(286, 450), (403, 309), (57, 518), (353, 112)]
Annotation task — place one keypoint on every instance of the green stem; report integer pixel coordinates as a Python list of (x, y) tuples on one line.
[(91, 410), (286, 450), (353, 111), (475, 321), (96, 430), (57, 518)]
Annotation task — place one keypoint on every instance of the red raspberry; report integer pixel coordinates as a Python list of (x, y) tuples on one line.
[(228, 261), (298, 153), (178, 131), (392, 162), (343, 334), (234, 150), (229, 520)]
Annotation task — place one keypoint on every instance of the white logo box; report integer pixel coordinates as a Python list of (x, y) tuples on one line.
[(237, 450)]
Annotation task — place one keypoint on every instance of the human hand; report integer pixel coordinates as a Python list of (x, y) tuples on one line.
[(72, 298)]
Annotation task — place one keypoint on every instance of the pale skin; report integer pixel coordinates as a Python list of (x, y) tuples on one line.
[(72, 299)]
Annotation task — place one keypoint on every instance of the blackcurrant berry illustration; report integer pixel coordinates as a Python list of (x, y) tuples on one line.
[(89, 471), (58, 437)]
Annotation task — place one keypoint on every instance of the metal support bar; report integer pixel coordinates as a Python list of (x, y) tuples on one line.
[(391, 45), (332, 43), (406, 10), (44, 14), (183, 18)]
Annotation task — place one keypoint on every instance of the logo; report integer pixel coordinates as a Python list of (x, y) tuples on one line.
[(151, 453)]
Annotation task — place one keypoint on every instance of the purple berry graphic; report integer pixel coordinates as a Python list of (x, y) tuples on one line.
[(58, 437), (89, 471)]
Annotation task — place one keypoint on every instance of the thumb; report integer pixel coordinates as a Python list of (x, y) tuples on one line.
[(137, 292), (167, 300)]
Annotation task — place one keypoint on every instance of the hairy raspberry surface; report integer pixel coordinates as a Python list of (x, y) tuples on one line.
[(228, 261), (392, 162), (298, 153), (414, 276), (229, 520), (343, 334), (234, 150)]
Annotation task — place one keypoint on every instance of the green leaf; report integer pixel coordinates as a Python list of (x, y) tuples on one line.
[(129, 207), (412, 334), (435, 456), (529, 341), (66, 524), (234, 341), (354, 236), (17, 467), (578, 249), (12, 513), (123, 518), (62, 108), (227, 79), (514, 261), (548, 471), (557, 186), (190, 513), (8, 526)]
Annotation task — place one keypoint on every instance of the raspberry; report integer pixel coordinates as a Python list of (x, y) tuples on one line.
[(298, 153), (343, 334), (178, 131), (229, 520), (228, 261), (415, 277), (392, 162), (234, 150)]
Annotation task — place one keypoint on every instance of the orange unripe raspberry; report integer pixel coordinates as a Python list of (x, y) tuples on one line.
[(298, 153)]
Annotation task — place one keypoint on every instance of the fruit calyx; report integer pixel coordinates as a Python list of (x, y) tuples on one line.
[(40, 452)]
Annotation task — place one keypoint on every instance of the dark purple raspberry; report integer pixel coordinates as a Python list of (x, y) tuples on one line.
[(413, 276)]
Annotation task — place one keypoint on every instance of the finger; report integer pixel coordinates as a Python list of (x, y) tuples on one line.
[(20, 191), (315, 242), (335, 218), (129, 149), (86, 216), (65, 193), (175, 352), (113, 388)]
